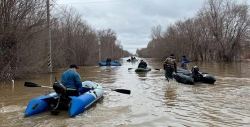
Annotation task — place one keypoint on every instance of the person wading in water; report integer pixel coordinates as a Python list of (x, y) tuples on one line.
[(184, 62), (169, 66)]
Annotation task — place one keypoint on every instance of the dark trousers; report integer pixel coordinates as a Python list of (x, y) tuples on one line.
[(108, 63), (141, 66), (72, 93), (169, 72)]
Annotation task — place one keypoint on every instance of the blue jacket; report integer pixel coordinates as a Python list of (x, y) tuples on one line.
[(71, 79), (185, 60)]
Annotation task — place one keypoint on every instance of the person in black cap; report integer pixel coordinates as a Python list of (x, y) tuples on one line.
[(72, 81), (169, 66)]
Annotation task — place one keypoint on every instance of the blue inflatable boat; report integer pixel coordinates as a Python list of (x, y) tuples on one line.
[(57, 100), (114, 63)]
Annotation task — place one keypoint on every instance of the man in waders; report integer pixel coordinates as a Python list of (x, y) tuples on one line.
[(184, 62), (169, 66)]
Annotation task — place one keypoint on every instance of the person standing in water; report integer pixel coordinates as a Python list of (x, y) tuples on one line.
[(169, 66), (184, 62)]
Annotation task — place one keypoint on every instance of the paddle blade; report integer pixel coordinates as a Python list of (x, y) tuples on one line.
[(122, 91), (157, 69), (130, 68), (30, 84)]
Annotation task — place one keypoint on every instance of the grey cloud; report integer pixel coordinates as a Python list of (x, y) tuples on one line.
[(132, 20)]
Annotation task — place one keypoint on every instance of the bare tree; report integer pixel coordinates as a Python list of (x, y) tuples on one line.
[(219, 31), (21, 22)]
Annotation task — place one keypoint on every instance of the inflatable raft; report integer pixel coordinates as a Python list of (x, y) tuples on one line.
[(56, 100), (134, 60), (114, 63), (143, 69), (184, 76)]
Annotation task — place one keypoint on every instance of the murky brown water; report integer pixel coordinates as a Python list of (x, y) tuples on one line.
[(153, 101)]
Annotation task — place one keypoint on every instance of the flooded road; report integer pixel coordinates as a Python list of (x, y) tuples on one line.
[(153, 102)]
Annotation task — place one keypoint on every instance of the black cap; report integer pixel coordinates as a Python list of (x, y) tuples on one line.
[(73, 66), (172, 55)]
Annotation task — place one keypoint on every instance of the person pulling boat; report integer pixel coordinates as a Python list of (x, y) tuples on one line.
[(169, 65)]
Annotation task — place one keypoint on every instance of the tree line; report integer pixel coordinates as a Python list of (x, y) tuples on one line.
[(218, 32), (24, 43)]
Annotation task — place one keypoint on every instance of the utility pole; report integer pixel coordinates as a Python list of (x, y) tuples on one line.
[(99, 43), (112, 51), (121, 51), (49, 38)]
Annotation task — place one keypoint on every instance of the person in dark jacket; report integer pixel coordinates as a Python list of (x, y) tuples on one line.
[(196, 75), (142, 64), (169, 65), (108, 61), (184, 62), (73, 82)]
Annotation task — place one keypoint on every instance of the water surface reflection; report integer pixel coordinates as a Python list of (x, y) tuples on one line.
[(153, 100)]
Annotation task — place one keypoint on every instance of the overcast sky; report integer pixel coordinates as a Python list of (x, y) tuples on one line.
[(132, 20)]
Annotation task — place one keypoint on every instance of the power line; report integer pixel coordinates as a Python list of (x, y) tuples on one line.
[(97, 2), (61, 8), (64, 10)]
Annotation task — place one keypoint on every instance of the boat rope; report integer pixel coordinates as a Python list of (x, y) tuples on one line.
[(58, 101)]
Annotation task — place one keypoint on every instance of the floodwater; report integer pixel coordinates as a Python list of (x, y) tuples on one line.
[(153, 102)]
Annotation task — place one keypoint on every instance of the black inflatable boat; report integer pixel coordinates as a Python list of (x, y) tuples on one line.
[(193, 76)]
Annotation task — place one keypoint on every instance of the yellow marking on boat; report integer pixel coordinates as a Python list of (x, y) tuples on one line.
[(70, 89)]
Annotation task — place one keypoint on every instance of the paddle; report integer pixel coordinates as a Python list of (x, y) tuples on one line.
[(117, 90), (30, 84), (121, 91), (131, 68)]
